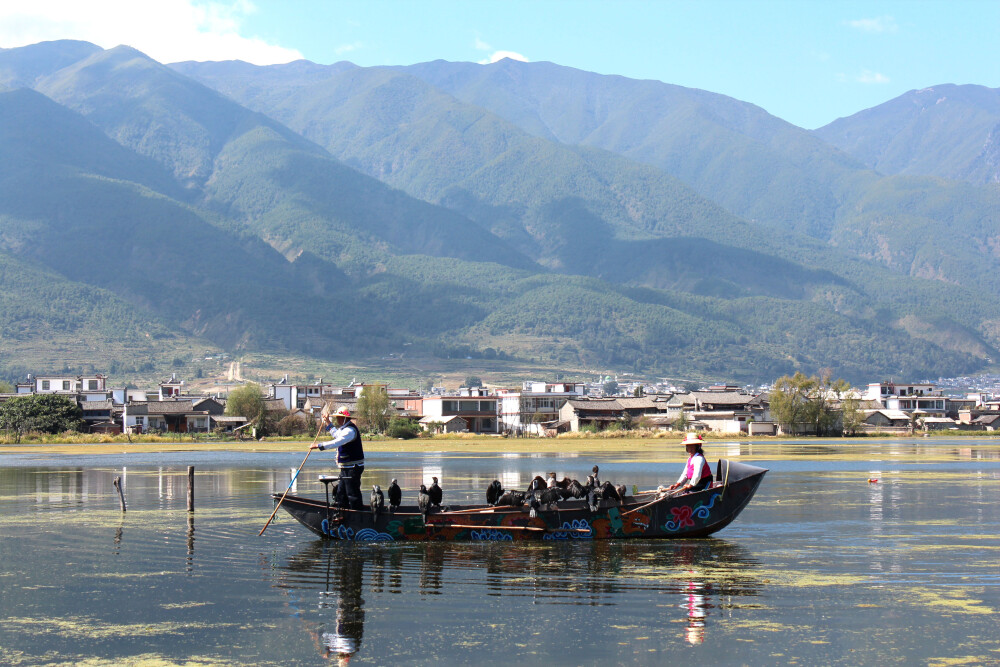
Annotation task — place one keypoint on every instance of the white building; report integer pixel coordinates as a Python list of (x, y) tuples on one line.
[(92, 386), (908, 398), (474, 405), (536, 403)]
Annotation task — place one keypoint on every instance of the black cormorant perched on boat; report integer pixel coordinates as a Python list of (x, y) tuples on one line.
[(550, 497), (435, 493), (493, 492), (608, 491), (597, 482), (537, 483), (378, 501), (424, 502), (395, 496), (512, 499), (591, 492), (533, 504)]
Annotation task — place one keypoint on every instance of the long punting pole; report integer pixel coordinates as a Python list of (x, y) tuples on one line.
[(294, 477)]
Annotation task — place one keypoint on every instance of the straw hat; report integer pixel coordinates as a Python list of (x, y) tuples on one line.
[(692, 439), (343, 412)]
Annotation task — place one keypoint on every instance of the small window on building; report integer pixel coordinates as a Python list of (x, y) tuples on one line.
[(92, 384), (45, 385), (65, 385)]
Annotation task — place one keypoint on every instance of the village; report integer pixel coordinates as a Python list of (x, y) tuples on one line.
[(541, 409)]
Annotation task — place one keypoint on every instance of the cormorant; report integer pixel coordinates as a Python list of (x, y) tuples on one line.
[(609, 492), (378, 501), (424, 502), (512, 499), (552, 483), (533, 504), (575, 489), (622, 491), (435, 493), (395, 496), (493, 492), (550, 497)]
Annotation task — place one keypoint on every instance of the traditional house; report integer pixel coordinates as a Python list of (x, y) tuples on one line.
[(183, 416), (602, 412), (475, 406), (445, 424), (886, 421), (100, 413), (720, 411), (987, 422)]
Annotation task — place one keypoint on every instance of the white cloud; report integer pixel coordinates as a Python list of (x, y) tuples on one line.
[(877, 24), (500, 55), (867, 76), (348, 48), (166, 30), (481, 45)]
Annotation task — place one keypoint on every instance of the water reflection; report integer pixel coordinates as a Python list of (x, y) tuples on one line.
[(695, 578)]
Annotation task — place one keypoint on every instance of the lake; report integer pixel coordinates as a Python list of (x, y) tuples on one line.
[(823, 567)]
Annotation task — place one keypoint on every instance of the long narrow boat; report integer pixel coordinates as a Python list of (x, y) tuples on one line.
[(645, 515)]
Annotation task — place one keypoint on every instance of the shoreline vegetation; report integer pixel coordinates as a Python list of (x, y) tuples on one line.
[(78, 443)]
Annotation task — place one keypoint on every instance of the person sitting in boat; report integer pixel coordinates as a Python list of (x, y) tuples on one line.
[(350, 457), (697, 473)]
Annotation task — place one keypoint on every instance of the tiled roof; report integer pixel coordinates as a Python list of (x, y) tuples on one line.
[(169, 407), (96, 405), (614, 404)]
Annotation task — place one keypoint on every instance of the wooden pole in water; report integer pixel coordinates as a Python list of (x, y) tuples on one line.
[(190, 488), (121, 492)]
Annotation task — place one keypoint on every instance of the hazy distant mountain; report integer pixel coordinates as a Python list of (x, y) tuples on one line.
[(584, 210), (265, 228), (946, 131), (287, 190), (736, 154), (22, 67), (82, 206)]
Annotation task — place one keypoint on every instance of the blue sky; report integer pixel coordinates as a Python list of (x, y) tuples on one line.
[(808, 62)]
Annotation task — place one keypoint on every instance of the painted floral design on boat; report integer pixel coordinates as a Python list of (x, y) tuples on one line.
[(685, 515)]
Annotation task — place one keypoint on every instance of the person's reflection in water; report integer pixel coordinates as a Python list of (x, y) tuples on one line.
[(696, 594), (696, 611), (342, 638)]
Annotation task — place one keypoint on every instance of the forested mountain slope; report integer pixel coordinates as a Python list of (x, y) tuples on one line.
[(757, 166), (210, 219), (592, 212), (946, 131)]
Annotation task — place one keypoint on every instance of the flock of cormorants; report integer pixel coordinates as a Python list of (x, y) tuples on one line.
[(541, 493)]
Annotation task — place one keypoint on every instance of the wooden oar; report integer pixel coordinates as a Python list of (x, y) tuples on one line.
[(665, 496), (294, 477), (549, 530)]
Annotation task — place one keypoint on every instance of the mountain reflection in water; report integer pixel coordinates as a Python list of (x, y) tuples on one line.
[(697, 578)]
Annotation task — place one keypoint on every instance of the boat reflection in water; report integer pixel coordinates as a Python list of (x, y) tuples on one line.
[(638, 577)]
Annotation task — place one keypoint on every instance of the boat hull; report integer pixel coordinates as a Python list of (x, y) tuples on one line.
[(644, 516)]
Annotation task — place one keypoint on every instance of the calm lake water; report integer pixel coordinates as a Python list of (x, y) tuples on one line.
[(823, 567)]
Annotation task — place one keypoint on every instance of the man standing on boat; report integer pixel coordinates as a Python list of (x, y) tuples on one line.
[(350, 457), (697, 473)]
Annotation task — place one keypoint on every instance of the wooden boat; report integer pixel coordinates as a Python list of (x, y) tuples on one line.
[(646, 515)]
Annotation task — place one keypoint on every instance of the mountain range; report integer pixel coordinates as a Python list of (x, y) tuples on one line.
[(523, 211)]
